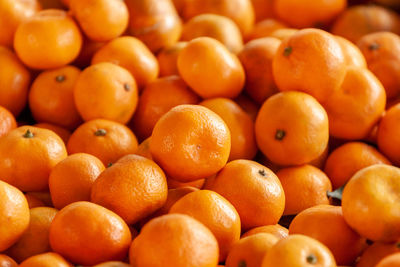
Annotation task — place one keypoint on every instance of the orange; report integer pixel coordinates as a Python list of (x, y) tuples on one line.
[(376, 252), (35, 239), (49, 39), (71, 179), (305, 186), (155, 22), (263, 9), (131, 54), (12, 13), (51, 97), (254, 191), (144, 149), (33, 202), (311, 61), (151, 106), (168, 59), (309, 13), (388, 132), (47, 4), (6, 261), (241, 126), (298, 251), (174, 240), (49, 259), (381, 50), (368, 202), (390, 261), (133, 187), (256, 58), (216, 213), (106, 91), (274, 229), (100, 20), (248, 105), (215, 26), (190, 142), (284, 125), (87, 234), (217, 72), (357, 21), (284, 33), (352, 54), (7, 121), (43, 196), (264, 28), (172, 183), (64, 134), (107, 140), (14, 215), (112, 264), (347, 159), (14, 82), (356, 107), (326, 224), (27, 155), (89, 48)]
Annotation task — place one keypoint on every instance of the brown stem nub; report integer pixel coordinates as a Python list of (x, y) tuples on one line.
[(60, 78), (280, 134), (287, 51), (28, 134), (100, 132), (109, 164), (311, 259), (127, 87), (262, 172), (373, 46)]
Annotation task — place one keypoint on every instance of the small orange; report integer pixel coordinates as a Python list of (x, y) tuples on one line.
[(71, 179), (190, 142), (64, 134), (274, 229), (131, 54), (352, 54), (6, 261), (27, 155), (216, 213), (33, 202), (49, 259), (376, 252), (49, 39), (106, 91), (107, 140), (100, 20), (390, 261), (7, 121), (174, 240), (388, 133), (87, 234), (265, 28), (284, 125), (51, 97), (35, 239), (168, 59)]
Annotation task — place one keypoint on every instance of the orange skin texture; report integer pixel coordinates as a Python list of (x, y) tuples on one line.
[(117, 141), (64, 134), (7, 121), (14, 215), (256, 58), (357, 21), (190, 142), (263, 9), (352, 54), (217, 72), (49, 259), (134, 187), (216, 213), (172, 183), (250, 251), (39, 154), (215, 26), (381, 50), (151, 106), (310, 61), (390, 261), (364, 99), (51, 97), (292, 128), (264, 28), (71, 180), (376, 252), (346, 160), (326, 223), (14, 82), (388, 133), (275, 229), (51, 28), (35, 239), (368, 202), (248, 105), (131, 54), (305, 186), (155, 22), (284, 33), (168, 59), (12, 13), (254, 191), (174, 240), (6, 261), (105, 235), (240, 124), (106, 91), (309, 13), (240, 11), (112, 264), (100, 20), (294, 250), (33, 202)]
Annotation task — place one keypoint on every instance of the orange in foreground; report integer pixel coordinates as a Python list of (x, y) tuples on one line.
[(49, 259)]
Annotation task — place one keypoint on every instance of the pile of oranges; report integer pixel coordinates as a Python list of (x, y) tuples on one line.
[(199, 133)]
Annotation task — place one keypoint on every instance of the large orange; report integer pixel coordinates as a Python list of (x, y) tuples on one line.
[(7, 121), (49, 259), (388, 132)]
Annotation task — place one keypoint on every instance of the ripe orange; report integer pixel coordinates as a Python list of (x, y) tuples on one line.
[(33, 202), (64, 134), (264, 28), (274, 229), (49, 259), (376, 252), (6, 261), (7, 121), (112, 264), (352, 54), (390, 261), (168, 59), (388, 132)]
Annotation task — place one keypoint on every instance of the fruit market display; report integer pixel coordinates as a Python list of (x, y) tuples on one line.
[(200, 133)]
